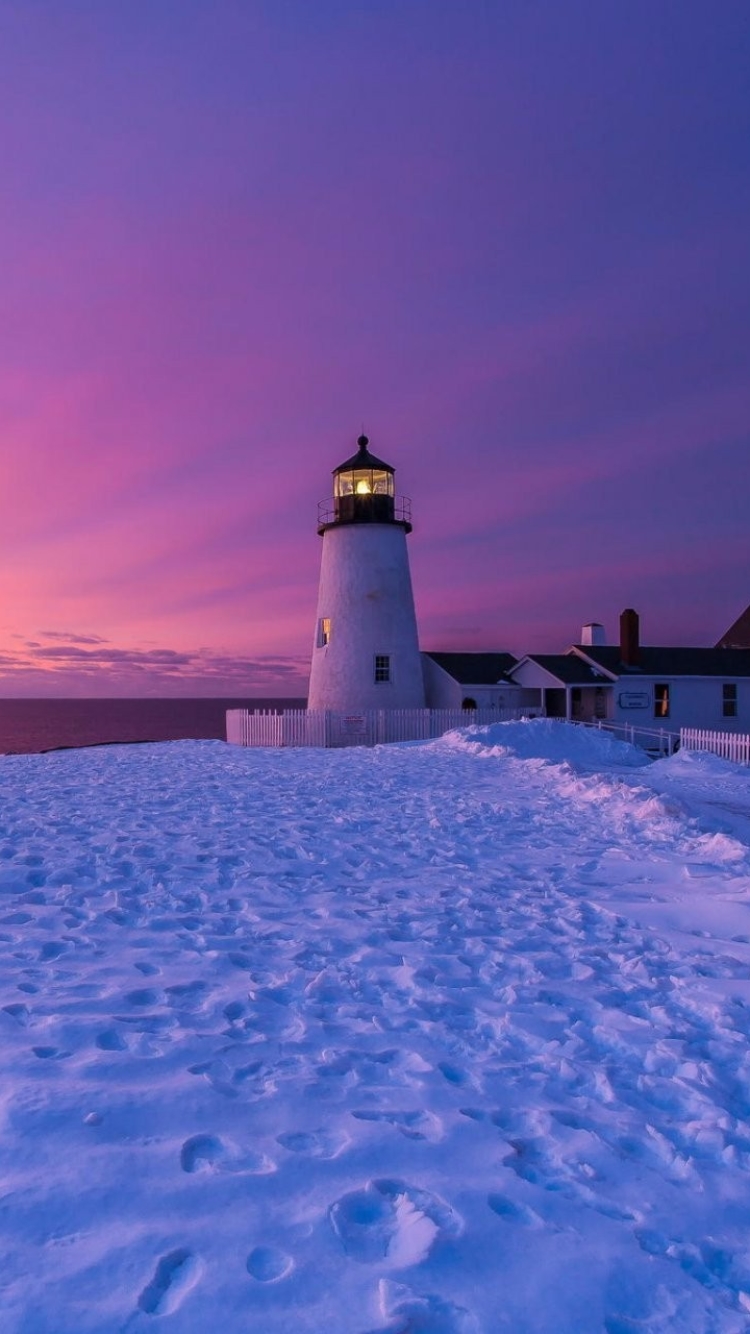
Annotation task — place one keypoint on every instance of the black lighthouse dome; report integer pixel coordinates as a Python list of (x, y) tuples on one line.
[(364, 492)]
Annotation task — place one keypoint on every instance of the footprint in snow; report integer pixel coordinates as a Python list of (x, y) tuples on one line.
[(142, 996), (228, 1079), (111, 1040), (52, 949), (571, 1175), (713, 1266), (406, 1311), (174, 1276), (187, 995), (267, 1264), (513, 1212), (455, 1074), (412, 1124), (148, 969), (390, 1222), (314, 1143), (209, 1153)]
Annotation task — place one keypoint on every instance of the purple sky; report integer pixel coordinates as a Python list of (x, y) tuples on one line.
[(510, 239)]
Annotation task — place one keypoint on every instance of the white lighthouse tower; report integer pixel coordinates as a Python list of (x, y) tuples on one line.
[(365, 653)]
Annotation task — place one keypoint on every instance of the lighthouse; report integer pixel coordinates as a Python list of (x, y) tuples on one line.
[(365, 650)]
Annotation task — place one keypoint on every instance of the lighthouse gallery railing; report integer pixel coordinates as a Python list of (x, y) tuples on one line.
[(370, 509)]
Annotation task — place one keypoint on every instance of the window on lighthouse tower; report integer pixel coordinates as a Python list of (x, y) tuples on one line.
[(382, 667)]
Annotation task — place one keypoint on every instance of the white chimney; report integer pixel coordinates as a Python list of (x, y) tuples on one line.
[(593, 635)]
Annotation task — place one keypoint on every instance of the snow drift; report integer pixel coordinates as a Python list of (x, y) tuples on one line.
[(449, 1038)]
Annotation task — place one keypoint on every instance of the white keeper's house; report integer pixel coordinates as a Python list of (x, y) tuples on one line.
[(473, 681), (645, 686)]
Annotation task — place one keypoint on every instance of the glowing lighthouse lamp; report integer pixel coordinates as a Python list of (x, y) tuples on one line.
[(365, 652)]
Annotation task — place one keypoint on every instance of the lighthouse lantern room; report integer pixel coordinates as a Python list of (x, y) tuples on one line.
[(365, 650)]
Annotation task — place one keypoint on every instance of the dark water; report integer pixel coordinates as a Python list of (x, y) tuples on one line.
[(28, 725)]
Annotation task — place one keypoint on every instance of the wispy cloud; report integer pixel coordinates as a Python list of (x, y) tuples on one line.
[(69, 638), (103, 670)]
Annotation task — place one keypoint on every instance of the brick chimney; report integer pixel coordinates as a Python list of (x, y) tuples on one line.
[(630, 649)]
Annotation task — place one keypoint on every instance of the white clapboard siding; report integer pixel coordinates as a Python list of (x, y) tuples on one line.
[(734, 746), (323, 727)]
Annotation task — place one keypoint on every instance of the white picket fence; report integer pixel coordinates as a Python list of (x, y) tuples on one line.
[(323, 727), (733, 746), (654, 740)]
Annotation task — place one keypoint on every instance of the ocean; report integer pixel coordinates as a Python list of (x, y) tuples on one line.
[(31, 725)]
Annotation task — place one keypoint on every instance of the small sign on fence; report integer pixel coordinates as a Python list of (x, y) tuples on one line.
[(354, 724)]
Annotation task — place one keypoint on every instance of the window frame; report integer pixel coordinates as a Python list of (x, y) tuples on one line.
[(729, 702), (324, 631), (663, 699), (377, 481), (378, 668)]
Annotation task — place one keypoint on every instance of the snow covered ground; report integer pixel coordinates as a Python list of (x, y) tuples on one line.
[(446, 1037)]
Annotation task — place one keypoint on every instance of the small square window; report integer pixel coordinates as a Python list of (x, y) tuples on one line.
[(324, 631), (729, 701), (661, 701), (382, 667)]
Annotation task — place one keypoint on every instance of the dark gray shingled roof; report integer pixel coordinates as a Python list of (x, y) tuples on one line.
[(475, 669), (720, 662), (568, 669)]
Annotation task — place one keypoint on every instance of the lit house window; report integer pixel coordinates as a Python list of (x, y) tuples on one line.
[(729, 701), (661, 701), (382, 667), (324, 631)]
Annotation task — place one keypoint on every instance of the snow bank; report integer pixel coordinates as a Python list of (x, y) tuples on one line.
[(547, 739), (713, 791), (689, 764)]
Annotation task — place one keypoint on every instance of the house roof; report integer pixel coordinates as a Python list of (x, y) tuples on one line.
[(568, 669), (718, 662), (738, 635), (475, 669)]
